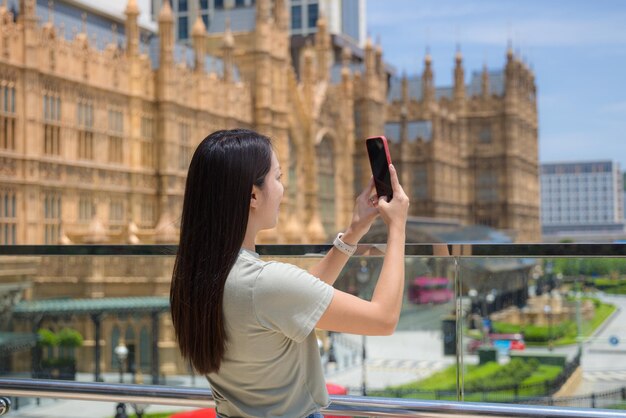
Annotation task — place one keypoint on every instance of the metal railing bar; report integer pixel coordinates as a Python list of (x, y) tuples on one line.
[(340, 405), (289, 250)]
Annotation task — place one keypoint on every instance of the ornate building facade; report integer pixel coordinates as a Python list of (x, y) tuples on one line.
[(470, 152), (97, 127)]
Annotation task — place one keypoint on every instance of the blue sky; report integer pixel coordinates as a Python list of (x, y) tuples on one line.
[(576, 48)]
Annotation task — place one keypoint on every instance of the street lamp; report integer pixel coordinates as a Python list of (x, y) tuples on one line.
[(363, 276), (121, 352)]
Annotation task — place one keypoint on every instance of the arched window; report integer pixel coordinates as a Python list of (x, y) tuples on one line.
[(326, 184)]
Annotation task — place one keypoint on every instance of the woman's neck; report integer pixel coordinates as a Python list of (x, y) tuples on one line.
[(249, 240)]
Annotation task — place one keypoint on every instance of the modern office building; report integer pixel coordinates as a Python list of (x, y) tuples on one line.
[(344, 17), (582, 197)]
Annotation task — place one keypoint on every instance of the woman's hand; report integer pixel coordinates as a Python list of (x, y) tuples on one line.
[(394, 213), (365, 212)]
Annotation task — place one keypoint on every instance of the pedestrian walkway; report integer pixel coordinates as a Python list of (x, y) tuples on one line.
[(415, 366), (605, 376)]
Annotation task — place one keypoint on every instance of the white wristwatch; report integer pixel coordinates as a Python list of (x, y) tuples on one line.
[(347, 249)]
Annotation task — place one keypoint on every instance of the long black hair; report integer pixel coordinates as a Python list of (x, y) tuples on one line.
[(216, 206)]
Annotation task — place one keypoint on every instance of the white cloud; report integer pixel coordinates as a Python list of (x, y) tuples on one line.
[(493, 22), (616, 107)]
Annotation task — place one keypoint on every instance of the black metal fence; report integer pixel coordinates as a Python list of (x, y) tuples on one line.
[(517, 393)]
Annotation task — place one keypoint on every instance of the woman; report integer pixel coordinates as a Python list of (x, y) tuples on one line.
[(248, 324)]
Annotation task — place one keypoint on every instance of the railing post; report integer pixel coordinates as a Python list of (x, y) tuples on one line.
[(593, 400), (5, 406), (155, 348), (96, 318)]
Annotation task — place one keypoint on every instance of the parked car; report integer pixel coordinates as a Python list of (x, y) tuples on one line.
[(503, 342)]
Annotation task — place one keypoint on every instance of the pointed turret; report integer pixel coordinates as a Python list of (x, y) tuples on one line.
[(132, 28), (82, 39), (370, 58), (27, 11), (459, 77), (345, 64), (510, 79), (198, 34), (405, 88), (428, 85), (166, 34), (378, 50), (404, 110), (485, 82), (322, 47), (308, 73), (228, 47), (281, 15)]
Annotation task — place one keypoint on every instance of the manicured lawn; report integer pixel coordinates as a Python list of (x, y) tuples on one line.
[(482, 383), (564, 333)]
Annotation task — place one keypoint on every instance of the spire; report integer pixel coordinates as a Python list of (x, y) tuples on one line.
[(198, 27), (132, 28), (166, 34), (166, 14), (262, 11), (131, 8), (459, 76), (322, 46), (50, 12), (48, 27), (379, 57), (198, 33), (485, 82), (369, 56), (345, 56), (281, 15), (428, 87), (509, 51), (308, 73), (83, 19), (405, 88), (228, 47), (27, 10), (82, 37)]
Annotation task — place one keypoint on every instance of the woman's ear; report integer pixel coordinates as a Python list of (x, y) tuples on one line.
[(254, 197)]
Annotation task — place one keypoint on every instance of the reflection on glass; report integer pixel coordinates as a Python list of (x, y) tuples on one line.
[(494, 329)]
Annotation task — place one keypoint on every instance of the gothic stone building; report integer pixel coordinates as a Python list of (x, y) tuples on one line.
[(99, 117), (469, 152)]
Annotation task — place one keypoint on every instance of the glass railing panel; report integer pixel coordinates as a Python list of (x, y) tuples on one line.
[(543, 330), (390, 366), (457, 311)]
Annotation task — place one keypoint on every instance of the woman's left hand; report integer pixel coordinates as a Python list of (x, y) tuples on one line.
[(365, 212)]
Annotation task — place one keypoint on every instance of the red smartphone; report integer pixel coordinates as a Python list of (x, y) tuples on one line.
[(378, 151)]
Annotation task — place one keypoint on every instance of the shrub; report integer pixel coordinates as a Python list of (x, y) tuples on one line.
[(47, 338), (69, 337)]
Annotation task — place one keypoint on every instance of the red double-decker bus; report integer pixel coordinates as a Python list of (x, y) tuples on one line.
[(430, 290)]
